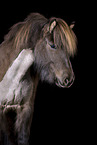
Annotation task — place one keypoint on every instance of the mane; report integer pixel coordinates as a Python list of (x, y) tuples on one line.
[(25, 35), (22, 33), (68, 37), (21, 36)]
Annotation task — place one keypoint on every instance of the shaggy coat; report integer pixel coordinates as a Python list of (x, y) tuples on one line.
[(35, 49)]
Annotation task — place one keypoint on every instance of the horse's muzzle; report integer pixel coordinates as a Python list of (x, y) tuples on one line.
[(66, 83)]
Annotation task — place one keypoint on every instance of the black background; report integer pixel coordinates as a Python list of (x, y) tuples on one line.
[(60, 115)]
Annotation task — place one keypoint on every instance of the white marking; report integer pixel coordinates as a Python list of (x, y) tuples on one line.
[(12, 85)]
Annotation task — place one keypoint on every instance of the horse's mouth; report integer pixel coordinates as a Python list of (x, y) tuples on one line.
[(59, 84), (64, 84)]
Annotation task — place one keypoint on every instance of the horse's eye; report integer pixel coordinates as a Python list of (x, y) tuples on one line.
[(53, 46)]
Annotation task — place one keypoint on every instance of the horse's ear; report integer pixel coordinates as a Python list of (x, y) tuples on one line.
[(52, 26), (49, 27), (72, 25)]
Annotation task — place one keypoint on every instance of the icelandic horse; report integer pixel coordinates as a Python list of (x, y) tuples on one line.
[(35, 49)]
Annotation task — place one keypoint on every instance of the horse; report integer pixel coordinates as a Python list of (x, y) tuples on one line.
[(35, 49)]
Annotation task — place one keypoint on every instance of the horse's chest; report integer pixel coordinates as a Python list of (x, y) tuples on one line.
[(23, 90), (17, 91), (16, 85)]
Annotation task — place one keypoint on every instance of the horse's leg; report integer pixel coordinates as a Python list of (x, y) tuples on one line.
[(8, 116), (7, 127), (3, 135), (4, 140), (9, 121), (23, 123), (24, 116)]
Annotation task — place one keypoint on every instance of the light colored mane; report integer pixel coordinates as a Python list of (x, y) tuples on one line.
[(68, 37)]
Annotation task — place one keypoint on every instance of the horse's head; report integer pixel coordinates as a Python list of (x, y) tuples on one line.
[(52, 52)]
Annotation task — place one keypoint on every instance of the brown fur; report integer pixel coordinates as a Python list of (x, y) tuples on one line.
[(51, 64), (19, 37)]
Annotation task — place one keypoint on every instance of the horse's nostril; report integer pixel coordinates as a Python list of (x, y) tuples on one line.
[(66, 81)]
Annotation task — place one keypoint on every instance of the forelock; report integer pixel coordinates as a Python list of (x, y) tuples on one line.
[(67, 36)]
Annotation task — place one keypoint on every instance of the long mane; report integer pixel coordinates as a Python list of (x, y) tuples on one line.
[(25, 35), (20, 37)]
